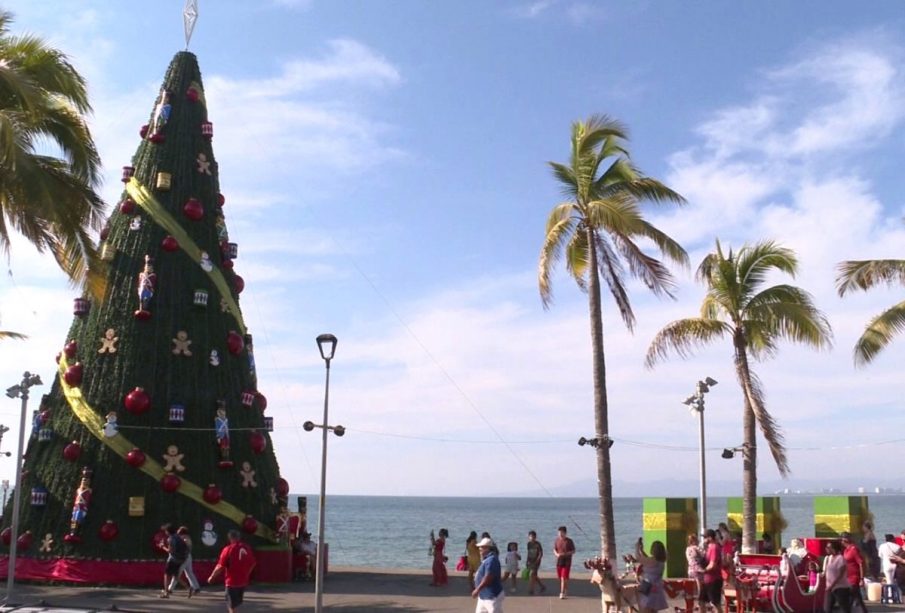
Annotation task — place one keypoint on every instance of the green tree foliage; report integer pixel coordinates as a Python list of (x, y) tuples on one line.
[(595, 231), (738, 306), (880, 331), (147, 356), (49, 166)]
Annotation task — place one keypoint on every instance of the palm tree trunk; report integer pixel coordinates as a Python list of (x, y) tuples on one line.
[(601, 425), (749, 454)]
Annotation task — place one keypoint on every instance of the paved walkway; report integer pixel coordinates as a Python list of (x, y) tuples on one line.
[(347, 590)]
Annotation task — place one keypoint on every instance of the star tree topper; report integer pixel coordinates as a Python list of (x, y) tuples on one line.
[(189, 17)]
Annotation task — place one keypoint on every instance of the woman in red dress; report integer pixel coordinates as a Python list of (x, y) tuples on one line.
[(440, 576)]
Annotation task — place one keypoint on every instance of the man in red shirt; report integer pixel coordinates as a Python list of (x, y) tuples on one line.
[(854, 569), (712, 591), (238, 561), (563, 549)]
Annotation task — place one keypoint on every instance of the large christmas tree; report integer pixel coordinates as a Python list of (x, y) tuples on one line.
[(155, 416)]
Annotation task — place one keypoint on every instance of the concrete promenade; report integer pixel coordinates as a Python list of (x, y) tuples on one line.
[(348, 590)]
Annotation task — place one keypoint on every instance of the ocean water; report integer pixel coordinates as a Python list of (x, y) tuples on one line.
[(393, 531)]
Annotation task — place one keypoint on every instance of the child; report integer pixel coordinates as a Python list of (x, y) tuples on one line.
[(511, 564)]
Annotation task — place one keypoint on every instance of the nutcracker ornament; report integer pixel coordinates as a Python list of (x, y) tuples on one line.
[(147, 283), (221, 431), (80, 507)]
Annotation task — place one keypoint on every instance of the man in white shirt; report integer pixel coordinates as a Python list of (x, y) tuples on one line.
[(890, 554)]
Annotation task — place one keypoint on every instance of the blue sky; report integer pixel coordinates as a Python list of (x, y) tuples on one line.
[(384, 168)]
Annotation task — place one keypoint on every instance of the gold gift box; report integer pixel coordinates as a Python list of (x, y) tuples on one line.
[(136, 506), (164, 180)]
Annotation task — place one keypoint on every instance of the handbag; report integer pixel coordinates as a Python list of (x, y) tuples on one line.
[(462, 564), (644, 586)]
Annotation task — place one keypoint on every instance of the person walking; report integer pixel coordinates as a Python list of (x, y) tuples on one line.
[(488, 587), (472, 555), (890, 554), (652, 567), (695, 560), (532, 563), (237, 561), (854, 566), (869, 549), (438, 571), (186, 568), (838, 589), (563, 549), (176, 553), (712, 592)]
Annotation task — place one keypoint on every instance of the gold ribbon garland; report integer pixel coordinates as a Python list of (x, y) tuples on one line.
[(121, 446), (143, 197)]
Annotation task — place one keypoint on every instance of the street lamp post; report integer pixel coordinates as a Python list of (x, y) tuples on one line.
[(18, 391), (326, 343), (695, 403)]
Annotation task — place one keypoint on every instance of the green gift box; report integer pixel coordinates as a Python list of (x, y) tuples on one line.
[(834, 515), (670, 521)]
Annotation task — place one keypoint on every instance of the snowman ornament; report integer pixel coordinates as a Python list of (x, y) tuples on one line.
[(208, 536), (206, 264)]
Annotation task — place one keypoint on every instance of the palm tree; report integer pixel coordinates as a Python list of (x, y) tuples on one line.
[(595, 230), (863, 275), (49, 166), (755, 318)]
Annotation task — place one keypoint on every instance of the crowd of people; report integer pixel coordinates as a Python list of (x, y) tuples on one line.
[(488, 574)]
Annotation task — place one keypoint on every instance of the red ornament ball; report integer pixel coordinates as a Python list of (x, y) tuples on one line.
[(137, 401), (169, 244), (105, 232), (249, 524), (234, 342), (24, 541), (221, 199), (108, 531), (72, 451), (239, 284), (44, 416), (156, 138), (191, 94), (143, 131), (135, 458), (71, 349), (212, 494), (227, 264), (127, 206), (6, 536), (261, 401), (282, 487), (73, 375), (258, 442), (193, 209), (170, 482)]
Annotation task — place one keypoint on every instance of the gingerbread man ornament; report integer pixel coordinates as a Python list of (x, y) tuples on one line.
[(173, 459), (108, 341), (182, 343), (248, 475)]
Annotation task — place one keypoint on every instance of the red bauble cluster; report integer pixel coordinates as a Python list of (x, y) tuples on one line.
[(127, 206), (249, 524), (137, 401), (108, 531), (212, 494), (234, 342), (72, 451), (71, 349), (169, 244), (170, 482), (193, 209), (135, 458), (73, 375), (257, 441)]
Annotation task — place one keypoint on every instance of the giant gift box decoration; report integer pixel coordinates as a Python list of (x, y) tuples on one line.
[(670, 521), (834, 515), (768, 518)]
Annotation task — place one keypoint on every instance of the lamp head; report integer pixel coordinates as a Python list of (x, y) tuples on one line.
[(710, 382), (308, 426), (13, 392), (326, 343), (728, 454), (583, 441), (689, 401), (339, 430)]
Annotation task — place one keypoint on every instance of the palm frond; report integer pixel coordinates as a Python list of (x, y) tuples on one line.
[(6, 334), (865, 274), (756, 261), (754, 394), (612, 274), (648, 269), (879, 333), (790, 313), (578, 256), (566, 177), (683, 337), (560, 226)]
